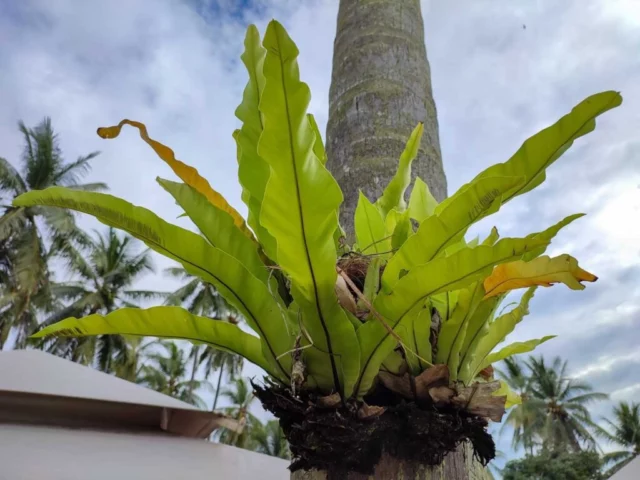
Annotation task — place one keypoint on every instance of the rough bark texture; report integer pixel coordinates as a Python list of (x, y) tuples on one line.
[(458, 465), (380, 90)]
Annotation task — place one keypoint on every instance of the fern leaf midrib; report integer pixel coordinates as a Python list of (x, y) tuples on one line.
[(334, 370), (401, 317), (262, 334)]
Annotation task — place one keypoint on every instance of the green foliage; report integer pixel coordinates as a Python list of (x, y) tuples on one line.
[(554, 412), (393, 195), (624, 431), (285, 281), (165, 322), (269, 439), (166, 372), (555, 466), (25, 291), (103, 272)]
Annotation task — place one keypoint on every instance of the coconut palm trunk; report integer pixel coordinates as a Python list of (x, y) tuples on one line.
[(194, 368), (380, 90), (215, 399)]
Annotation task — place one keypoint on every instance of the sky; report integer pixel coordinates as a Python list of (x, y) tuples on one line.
[(501, 71)]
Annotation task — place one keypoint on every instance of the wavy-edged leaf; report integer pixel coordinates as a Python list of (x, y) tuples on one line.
[(498, 331), (318, 146), (514, 349), (253, 171), (542, 271), (393, 195), (421, 202), (371, 282), (445, 303), (234, 282), (477, 328), (218, 227), (542, 149), (299, 209), (398, 227), (164, 322), (476, 321), (186, 173), (453, 332), (438, 276), (448, 226), (370, 229), (418, 339), (494, 236), (512, 398), (549, 234)]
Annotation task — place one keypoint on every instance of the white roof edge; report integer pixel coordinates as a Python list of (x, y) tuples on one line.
[(40, 373)]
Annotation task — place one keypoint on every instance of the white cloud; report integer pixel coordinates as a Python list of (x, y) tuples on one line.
[(606, 363)]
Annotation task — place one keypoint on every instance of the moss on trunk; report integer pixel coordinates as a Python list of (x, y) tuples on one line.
[(380, 90)]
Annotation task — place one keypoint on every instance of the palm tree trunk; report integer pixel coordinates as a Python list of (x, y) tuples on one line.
[(456, 466), (193, 369), (380, 90), (215, 399)]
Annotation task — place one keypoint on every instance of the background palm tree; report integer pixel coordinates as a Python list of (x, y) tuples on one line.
[(22, 238), (563, 401), (240, 395), (166, 372), (624, 430), (105, 269), (554, 413), (201, 298), (521, 418), (268, 438), (128, 362)]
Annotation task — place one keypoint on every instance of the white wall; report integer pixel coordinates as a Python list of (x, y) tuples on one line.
[(43, 453), (630, 472)]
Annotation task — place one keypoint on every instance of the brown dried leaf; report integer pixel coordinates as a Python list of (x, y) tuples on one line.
[(436, 376), (370, 411), (330, 401), (478, 399), (398, 384), (441, 396), (345, 298), (487, 373)]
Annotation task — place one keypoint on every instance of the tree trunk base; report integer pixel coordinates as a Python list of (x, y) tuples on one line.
[(457, 465)]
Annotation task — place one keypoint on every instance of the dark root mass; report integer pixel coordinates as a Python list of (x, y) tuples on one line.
[(339, 440)]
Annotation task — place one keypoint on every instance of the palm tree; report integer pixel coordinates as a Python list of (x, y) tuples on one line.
[(624, 430), (167, 374), (380, 90), (268, 438), (225, 363), (201, 298), (105, 270), (22, 237), (563, 420), (521, 418), (127, 363), (241, 397)]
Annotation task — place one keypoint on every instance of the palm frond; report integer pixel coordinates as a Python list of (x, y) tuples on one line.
[(70, 173), (10, 179)]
